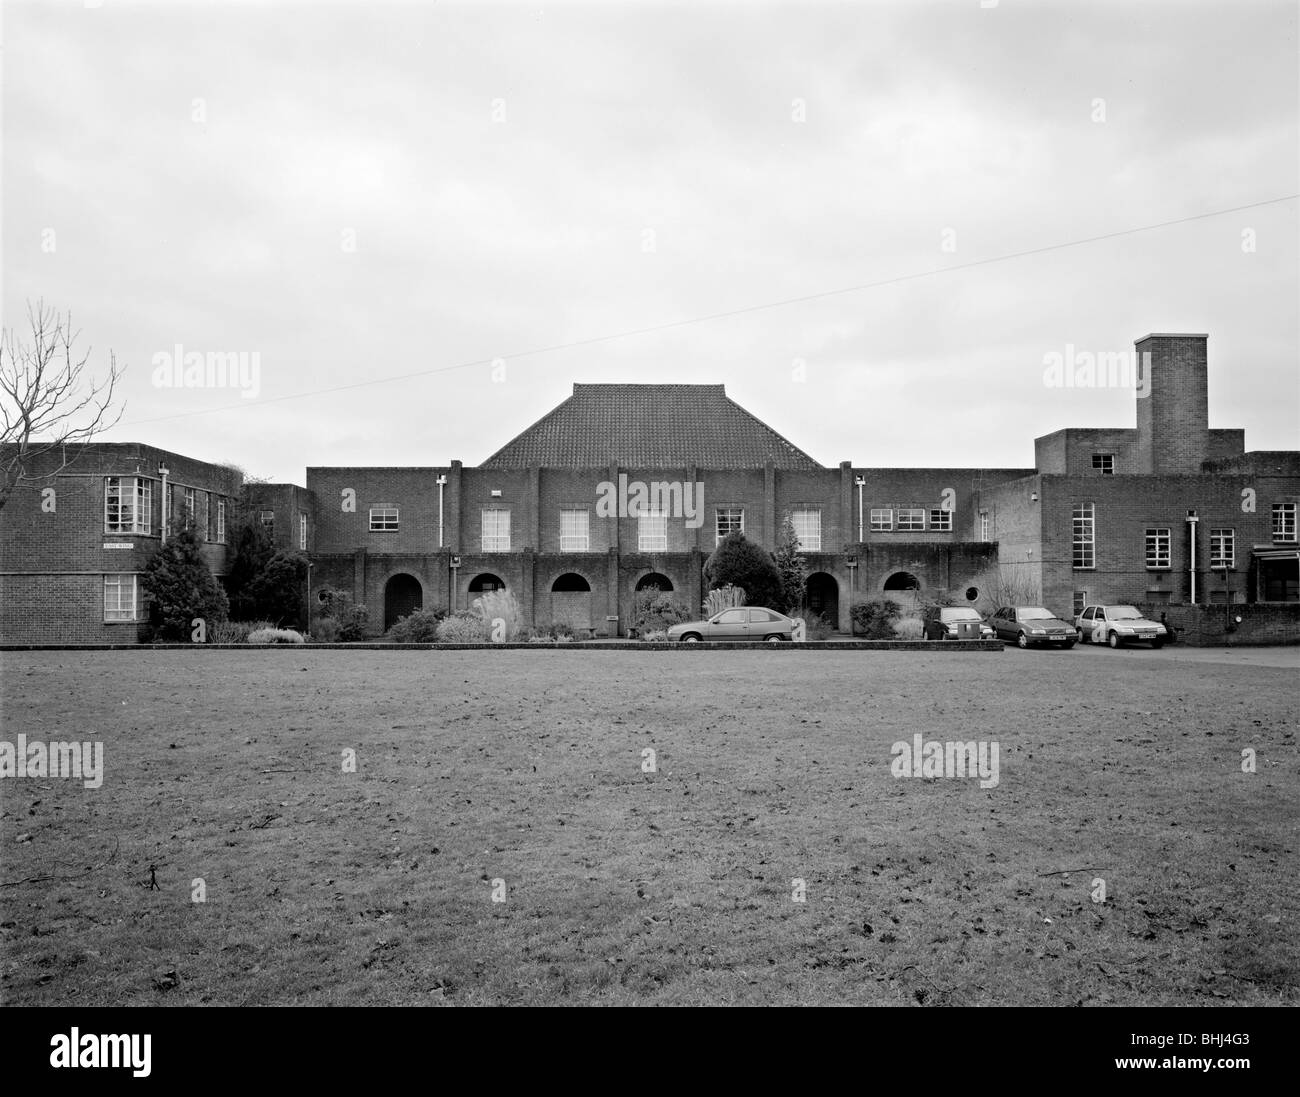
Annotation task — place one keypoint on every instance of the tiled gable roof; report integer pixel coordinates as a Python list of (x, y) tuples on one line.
[(650, 426)]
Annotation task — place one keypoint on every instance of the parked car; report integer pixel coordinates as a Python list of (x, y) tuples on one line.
[(741, 623), (1115, 625), (955, 623), (1029, 625)]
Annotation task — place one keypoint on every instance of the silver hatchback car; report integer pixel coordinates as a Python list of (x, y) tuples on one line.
[(741, 623)]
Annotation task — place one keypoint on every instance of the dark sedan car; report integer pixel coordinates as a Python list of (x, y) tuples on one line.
[(1029, 625), (954, 623)]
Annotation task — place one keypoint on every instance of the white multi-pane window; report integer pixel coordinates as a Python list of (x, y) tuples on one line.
[(267, 518), (169, 501), (1157, 548), (882, 519), (575, 530), (128, 501), (652, 532), (985, 531), (808, 529), (911, 519), (1284, 522), (191, 506), (384, 518), (940, 519), (1223, 548), (1085, 535), (730, 520), (121, 597), (1104, 463), (496, 529), (302, 531), (221, 521)]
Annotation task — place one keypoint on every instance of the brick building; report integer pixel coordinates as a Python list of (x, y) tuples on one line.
[(1168, 512)]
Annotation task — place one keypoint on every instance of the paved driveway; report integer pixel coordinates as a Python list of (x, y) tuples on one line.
[(1284, 657)]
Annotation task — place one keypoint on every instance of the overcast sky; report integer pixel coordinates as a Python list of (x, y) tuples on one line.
[(357, 192)]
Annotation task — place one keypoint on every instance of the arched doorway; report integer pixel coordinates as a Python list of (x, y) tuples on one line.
[(902, 588), (655, 579), (571, 601), (823, 597), (485, 583), (403, 595)]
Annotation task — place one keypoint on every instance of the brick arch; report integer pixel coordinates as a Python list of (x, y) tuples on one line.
[(647, 573), (403, 594)]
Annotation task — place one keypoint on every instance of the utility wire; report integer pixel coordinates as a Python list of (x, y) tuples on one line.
[(720, 315)]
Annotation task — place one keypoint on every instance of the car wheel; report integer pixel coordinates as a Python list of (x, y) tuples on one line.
[(1022, 641), (1069, 644), (1157, 644), (1080, 635), (1113, 639), (775, 638), (691, 638)]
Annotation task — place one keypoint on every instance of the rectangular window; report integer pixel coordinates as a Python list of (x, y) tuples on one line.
[(1223, 548), (1085, 536), (1157, 549), (169, 502), (940, 520), (128, 501), (121, 598), (652, 532), (882, 520), (267, 518), (302, 531), (496, 530), (575, 530), (1284, 521), (808, 529), (984, 526), (383, 518), (730, 520), (221, 521), (911, 519), (1080, 600), (1104, 463), (190, 506)]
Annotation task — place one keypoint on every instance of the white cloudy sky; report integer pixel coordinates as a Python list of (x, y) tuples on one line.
[(502, 168)]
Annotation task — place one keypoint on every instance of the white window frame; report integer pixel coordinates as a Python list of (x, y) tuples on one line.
[(221, 521), (121, 613), (1284, 522), (1158, 547), (1223, 548), (986, 528), (139, 509), (575, 529), (191, 507), (493, 520), (730, 512), (267, 518), (911, 519), (385, 518), (882, 519), (1080, 601), (1084, 537), (302, 530), (810, 540), (652, 531), (940, 520)]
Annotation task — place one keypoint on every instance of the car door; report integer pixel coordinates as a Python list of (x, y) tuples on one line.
[(1004, 625), (1099, 625), (732, 624), (760, 624)]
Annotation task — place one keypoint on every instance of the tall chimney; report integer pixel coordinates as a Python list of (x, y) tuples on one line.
[(1173, 406)]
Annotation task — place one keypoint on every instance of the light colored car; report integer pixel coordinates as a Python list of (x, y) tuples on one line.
[(741, 623), (1029, 625), (1116, 625), (955, 623)]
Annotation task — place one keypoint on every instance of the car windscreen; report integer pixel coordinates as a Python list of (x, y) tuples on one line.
[(959, 615), (1123, 613), (1036, 613)]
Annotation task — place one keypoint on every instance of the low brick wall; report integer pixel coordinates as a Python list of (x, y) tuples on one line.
[(811, 646), (1216, 625)]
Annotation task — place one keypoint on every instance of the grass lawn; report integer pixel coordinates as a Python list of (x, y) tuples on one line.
[(672, 887)]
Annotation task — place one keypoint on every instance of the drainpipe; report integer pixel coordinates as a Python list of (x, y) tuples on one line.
[(861, 482), (164, 472), (442, 482), (1191, 522)]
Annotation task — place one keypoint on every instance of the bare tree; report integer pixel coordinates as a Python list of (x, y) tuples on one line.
[(1009, 585), (47, 398)]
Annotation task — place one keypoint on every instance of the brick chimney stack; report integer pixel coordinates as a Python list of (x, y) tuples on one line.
[(1173, 407)]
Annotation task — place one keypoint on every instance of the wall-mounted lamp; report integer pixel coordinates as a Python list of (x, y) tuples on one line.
[(163, 470), (1033, 497)]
